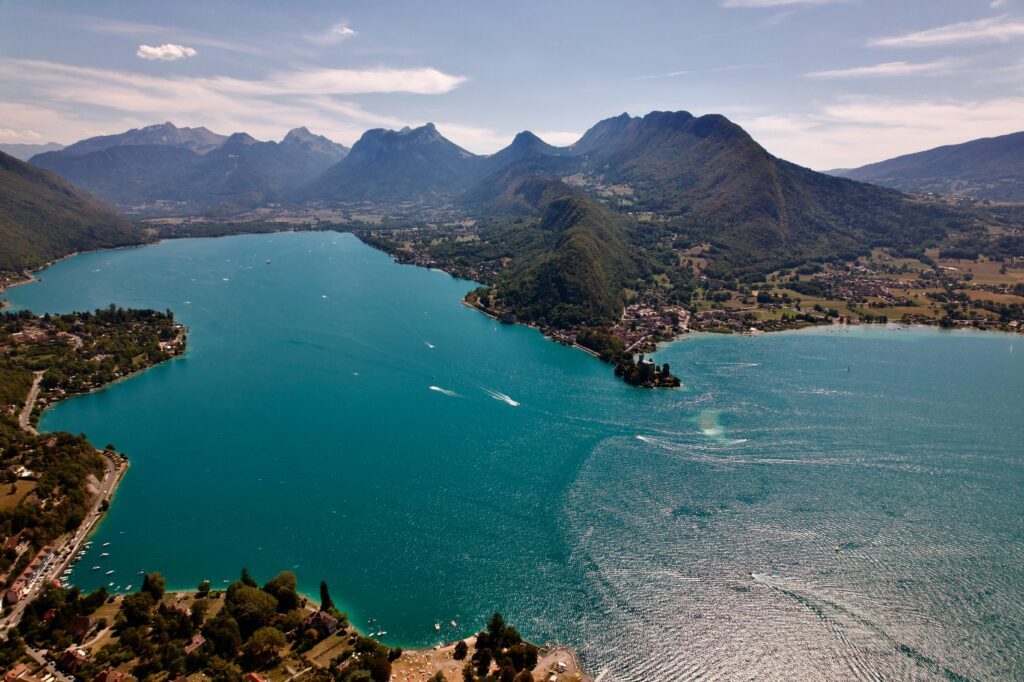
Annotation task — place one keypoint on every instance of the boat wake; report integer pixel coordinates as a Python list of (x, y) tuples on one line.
[(444, 391), (497, 395)]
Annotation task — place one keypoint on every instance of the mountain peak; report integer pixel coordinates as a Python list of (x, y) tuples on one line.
[(300, 133), (199, 140)]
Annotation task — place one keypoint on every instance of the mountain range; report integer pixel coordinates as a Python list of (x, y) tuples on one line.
[(990, 168), (704, 177), (192, 169), (42, 218)]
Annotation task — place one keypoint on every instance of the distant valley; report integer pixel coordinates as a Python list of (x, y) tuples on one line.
[(644, 228)]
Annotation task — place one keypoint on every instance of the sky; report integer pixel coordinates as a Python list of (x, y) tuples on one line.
[(823, 83)]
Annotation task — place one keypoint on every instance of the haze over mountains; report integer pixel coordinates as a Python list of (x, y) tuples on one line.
[(192, 168), (990, 168), (24, 152)]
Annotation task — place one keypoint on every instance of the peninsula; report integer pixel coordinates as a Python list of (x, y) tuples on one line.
[(251, 633)]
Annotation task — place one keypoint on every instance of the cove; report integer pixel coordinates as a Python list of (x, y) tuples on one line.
[(811, 505)]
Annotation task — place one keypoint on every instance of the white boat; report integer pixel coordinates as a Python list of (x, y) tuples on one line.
[(109, 572), (437, 626), (104, 554), (106, 544), (95, 568), (128, 589)]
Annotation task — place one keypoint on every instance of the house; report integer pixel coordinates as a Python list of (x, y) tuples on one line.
[(72, 660), (111, 675), (80, 626), (197, 643), (324, 623), (16, 672)]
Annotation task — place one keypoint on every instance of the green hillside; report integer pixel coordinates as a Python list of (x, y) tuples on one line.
[(43, 217)]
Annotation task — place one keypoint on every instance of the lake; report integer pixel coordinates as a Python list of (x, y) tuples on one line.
[(827, 504)]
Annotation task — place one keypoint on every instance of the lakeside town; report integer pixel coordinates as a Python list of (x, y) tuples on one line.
[(982, 293)]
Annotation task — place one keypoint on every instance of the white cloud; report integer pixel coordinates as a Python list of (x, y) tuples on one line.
[(890, 70), (134, 29), (68, 102), (854, 131), (332, 35), (996, 29), (996, 4), (168, 52)]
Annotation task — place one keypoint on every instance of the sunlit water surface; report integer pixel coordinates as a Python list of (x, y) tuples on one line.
[(832, 504)]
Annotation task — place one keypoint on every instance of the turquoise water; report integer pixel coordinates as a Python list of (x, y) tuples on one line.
[(816, 505)]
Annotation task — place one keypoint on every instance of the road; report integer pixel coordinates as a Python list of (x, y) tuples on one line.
[(47, 665), (67, 546), (25, 418)]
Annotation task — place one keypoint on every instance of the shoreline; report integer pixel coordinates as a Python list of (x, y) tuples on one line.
[(116, 465)]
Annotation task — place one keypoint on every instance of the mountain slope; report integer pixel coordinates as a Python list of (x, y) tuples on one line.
[(580, 276), (393, 166), (42, 217), (709, 180), (990, 168)]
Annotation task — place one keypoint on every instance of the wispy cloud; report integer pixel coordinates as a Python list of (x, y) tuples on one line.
[(670, 74), (64, 100), (168, 52), (332, 35), (135, 29), (890, 70), (853, 131), (995, 29)]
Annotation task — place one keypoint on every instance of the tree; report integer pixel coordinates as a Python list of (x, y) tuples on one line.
[(524, 676), (155, 585), (438, 677), (204, 588), (283, 588), (461, 649), (395, 654), (223, 633), (482, 659), (199, 608), (467, 673), (251, 607), (325, 597), (496, 627), (137, 608), (248, 579), (264, 647)]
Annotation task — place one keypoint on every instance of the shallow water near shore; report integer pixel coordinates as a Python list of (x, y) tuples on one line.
[(830, 504)]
